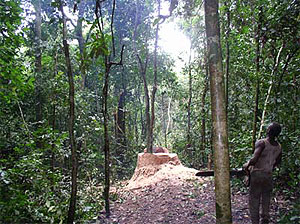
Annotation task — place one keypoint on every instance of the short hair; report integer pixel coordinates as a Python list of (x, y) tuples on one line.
[(274, 129)]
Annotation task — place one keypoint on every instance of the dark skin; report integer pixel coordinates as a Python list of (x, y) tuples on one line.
[(259, 147)]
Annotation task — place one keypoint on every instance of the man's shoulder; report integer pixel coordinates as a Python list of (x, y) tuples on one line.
[(260, 142)]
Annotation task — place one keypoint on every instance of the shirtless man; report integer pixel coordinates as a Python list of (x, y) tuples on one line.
[(266, 156)]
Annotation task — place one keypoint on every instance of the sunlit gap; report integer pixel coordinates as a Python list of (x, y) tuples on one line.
[(173, 41)]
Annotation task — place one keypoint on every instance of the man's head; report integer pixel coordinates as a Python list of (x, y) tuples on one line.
[(274, 129)]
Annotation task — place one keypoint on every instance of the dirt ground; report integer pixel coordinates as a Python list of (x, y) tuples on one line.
[(173, 194)]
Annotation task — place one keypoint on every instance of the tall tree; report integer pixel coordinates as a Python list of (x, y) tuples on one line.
[(38, 63), (81, 41), (190, 98), (120, 123), (203, 97), (72, 206), (143, 71), (257, 87), (154, 88), (227, 33), (108, 65), (218, 107)]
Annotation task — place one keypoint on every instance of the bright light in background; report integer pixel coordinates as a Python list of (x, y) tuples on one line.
[(173, 41)]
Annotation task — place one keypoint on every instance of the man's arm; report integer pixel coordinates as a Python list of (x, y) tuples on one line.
[(259, 147)]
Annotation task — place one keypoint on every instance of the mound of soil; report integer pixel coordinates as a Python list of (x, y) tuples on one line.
[(153, 168), (162, 190)]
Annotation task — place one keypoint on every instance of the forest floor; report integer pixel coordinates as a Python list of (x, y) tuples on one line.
[(173, 194)]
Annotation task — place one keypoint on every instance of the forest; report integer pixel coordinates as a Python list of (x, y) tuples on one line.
[(87, 85)]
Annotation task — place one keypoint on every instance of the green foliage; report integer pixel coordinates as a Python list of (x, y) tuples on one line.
[(99, 45), (244, 20), (13, 82), (240, 150), (292, 216), (288, 176), (35, 181), (30, 189)]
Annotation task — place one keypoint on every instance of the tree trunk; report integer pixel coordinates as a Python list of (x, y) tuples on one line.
[(121, 119), (190, 100), (164, 124), (53, 124), (120, 126), (138, 112), (227, 53), (154, 88), (203, 123), (53, 146), (72, 206), (106, 141), (257, 87), (147, 112), (81, 41), (135, 126), (38, 65), (255, 113), (143, 69), (209, 156), (108, 65), (169, 120), (218, 107)]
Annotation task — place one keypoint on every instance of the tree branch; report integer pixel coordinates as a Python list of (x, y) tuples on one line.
[(121, 59), (112, 30), (97, 10), (23, 119), (275, 67), (288, 59)]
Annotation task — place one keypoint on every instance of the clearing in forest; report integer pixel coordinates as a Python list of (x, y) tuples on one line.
[(162, 190)]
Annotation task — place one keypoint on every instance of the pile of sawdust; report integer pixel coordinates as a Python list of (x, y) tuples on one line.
[(151, 170)]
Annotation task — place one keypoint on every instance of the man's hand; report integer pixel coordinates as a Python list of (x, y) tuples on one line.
[(246, 168)]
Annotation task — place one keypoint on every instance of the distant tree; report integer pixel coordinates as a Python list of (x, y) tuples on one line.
[(106, 55), (143, 66), (81, 42), (72, 206), (257, 84), (189, 124), (38, 63)]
